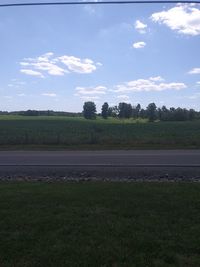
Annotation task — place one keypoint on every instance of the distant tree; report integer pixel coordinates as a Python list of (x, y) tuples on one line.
[(89, 110), (176, 114), (151, 112), (138, 109), (159, 112), (104, 110), (113, 111), (142, 113), (180, 115), (192, 114), (31, 113), (165, 113), (125, 110)]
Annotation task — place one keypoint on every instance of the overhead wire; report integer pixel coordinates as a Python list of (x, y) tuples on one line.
[(126, 2)]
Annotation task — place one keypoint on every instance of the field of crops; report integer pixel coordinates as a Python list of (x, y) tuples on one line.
[(78, 133)]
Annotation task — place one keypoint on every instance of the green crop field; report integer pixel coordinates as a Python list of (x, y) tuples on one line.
[(99, 224), (78, 133)]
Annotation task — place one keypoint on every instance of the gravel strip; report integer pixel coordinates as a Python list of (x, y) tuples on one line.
[(87, 177)]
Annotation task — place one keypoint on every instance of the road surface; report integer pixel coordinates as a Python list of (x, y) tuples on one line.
[(103, 164), (101, 158)]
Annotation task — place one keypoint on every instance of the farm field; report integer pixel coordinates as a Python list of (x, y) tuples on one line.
[(99, 224), (20, 132)]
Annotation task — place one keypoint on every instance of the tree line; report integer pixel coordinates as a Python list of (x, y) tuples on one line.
[(152, 112), (122, 111), (32, 112)]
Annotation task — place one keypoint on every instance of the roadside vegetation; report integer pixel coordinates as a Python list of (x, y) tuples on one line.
[(58, 132), (120, 127), (99, 224)]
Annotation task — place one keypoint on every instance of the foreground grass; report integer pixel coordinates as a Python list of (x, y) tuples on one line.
[(99, 224), (20, 132)]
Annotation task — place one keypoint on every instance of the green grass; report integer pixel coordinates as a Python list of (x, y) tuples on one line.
[(99, 224), (78, 133)]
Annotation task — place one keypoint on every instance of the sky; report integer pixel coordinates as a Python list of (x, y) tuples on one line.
[(58, 57)]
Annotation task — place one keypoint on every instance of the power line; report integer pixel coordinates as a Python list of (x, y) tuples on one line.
[(102, 3)]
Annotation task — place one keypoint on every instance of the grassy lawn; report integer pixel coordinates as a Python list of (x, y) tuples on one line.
[(21, 132), (99, 224)]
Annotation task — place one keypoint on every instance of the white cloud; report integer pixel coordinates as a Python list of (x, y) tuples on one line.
[(47, 64), (148, 85), (198, 83), (194, 71), (32, 73), (183, 18), (139, 45), (98, 90), (140, 27), (49, 94), (99, 64), (78, 65), (51, 68), (43, 63)]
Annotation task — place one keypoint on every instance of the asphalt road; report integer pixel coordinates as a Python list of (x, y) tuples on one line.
[(101, 158), (140, 164)]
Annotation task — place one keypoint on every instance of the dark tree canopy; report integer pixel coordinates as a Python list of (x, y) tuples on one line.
[(151, 112), (89, 110), (113, 111), (125, 110), (136, 111), (105, 110)]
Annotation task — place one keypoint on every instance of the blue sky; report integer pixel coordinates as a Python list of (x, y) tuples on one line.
[(57, 57)]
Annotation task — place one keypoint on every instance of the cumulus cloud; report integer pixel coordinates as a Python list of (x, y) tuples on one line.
[(78, 65), (43, 63), (183, 18), (139, 45), (49, 94), (147, 85), (57, 66), (194, 71), (32, 72), (140, 27)]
